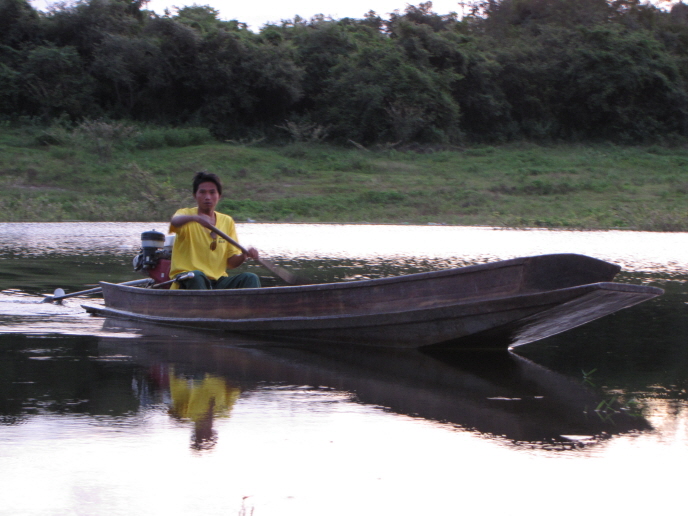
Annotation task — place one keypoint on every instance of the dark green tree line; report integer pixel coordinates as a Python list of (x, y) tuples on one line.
[(542, 69)]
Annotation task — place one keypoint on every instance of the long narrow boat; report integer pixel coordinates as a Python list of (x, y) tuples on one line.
[(500, 304)]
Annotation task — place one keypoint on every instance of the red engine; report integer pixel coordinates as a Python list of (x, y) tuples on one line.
[(155, 256)]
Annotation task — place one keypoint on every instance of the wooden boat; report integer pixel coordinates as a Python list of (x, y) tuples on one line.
[(500, 304)]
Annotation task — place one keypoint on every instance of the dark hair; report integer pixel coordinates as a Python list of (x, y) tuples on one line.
[(204, 177)]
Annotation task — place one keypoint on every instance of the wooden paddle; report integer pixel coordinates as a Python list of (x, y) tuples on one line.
[(287, 276)]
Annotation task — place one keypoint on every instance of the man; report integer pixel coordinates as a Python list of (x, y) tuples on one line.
[(198, 249)]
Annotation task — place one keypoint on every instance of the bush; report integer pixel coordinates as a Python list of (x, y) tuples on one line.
[(374, 197), (187, 136), (151, 139), (157, 138)]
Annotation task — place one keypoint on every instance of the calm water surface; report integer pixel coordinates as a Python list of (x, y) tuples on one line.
[(100, 417)]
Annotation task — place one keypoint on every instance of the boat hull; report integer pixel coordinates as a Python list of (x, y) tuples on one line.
[(499, 304)]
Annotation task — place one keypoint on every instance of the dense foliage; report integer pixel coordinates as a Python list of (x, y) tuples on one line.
[(566, 70)]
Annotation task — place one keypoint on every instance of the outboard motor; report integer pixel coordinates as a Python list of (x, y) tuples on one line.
[(151, 242), (155, 255)]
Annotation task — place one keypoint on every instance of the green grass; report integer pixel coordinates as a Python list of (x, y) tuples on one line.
[(101, 173)]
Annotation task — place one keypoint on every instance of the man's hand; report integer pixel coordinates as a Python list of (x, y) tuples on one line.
[(252, 253), (236, 260), (205, 220)]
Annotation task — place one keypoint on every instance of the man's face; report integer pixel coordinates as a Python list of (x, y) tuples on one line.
[(207, 196)]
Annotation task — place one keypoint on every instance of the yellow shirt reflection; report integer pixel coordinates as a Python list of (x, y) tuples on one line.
[(198, 399)]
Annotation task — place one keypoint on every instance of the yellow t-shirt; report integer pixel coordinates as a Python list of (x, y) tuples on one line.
[(192, 252)]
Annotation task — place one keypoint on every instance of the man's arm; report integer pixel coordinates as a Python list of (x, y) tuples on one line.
[(180, 220)]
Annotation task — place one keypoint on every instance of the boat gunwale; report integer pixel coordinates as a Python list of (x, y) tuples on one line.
[(419, 276)]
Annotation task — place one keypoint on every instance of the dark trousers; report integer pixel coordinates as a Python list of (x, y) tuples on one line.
[(201, 282)]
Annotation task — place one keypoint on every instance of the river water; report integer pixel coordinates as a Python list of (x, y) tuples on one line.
[(101, 417)]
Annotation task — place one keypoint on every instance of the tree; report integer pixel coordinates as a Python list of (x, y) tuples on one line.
[(131, 74), (501, 17), (19, 23), (376, 95), (86, 23), (10, 90), (620, 85), (55, 83), (246, 85)]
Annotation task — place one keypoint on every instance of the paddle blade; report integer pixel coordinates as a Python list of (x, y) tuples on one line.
[(57, 294), (288, 277)]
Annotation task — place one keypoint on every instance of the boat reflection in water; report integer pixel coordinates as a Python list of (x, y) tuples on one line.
[(497, 393)]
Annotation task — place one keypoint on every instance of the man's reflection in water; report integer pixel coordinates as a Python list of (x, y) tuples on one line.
[(201, 401)]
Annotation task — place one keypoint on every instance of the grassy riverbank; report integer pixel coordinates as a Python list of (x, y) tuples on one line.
[(113, 173)]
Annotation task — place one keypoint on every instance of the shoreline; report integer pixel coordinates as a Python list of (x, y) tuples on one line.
[(565, 186)]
